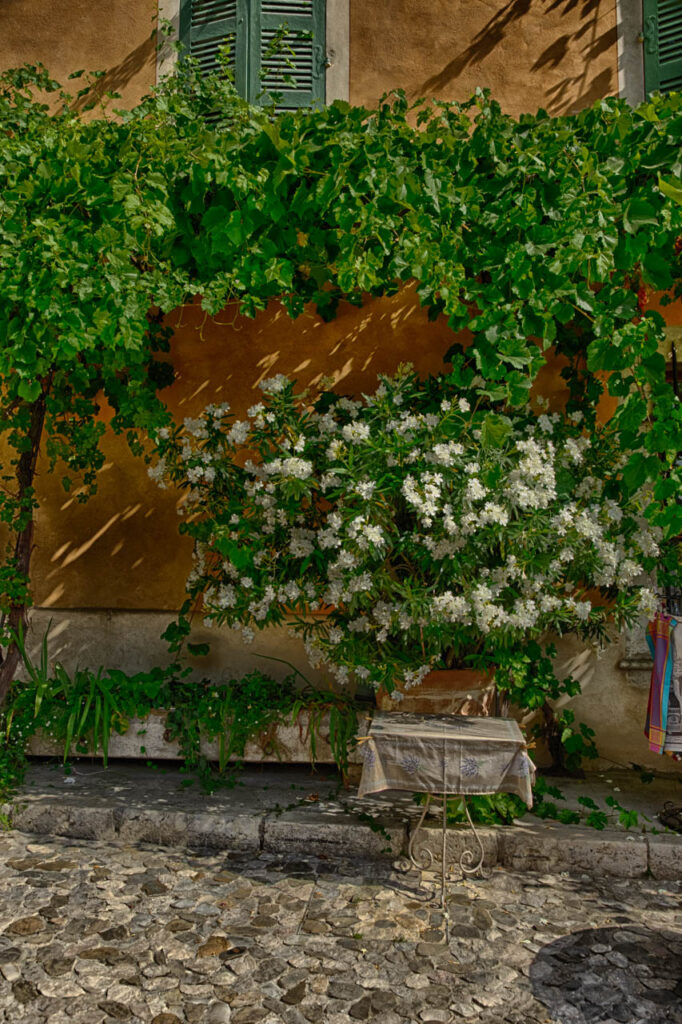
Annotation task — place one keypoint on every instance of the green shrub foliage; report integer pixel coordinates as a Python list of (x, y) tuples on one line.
[(530, 233)]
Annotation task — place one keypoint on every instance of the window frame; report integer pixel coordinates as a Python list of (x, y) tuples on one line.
[(655, 29), (630, 21), (632, 71), (337, 39)]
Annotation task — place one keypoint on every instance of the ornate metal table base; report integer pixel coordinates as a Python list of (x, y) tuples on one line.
[(470, 861)]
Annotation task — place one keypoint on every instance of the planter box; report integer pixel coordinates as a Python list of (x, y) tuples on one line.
[(445, 692), (144, 739)]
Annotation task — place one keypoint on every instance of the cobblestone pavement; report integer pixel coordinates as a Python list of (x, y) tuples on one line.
[(93, 932)]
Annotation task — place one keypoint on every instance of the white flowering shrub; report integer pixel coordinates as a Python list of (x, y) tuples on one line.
[(408, 530)]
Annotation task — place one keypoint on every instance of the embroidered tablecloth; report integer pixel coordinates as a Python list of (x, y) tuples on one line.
[(446, 754)]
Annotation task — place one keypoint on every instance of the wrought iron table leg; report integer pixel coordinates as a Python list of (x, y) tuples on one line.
[(444, 846), (470, 861), (444, 854), (466, 861), (422, 860), (444, 870)]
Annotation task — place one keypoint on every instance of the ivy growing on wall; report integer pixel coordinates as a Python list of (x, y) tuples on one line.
[(531, 234)]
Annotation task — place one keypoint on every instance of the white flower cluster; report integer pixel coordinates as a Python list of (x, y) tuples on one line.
[(274, 385), (532, 484), (446, 454), (415, 532), (424, 494), (356, 433), (293, 468)]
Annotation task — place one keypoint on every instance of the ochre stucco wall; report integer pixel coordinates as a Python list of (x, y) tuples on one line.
[(122, 549), (72, 35), (532, 53)]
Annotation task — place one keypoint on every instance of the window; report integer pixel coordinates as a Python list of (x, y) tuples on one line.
[(277, 47), (662, 36)]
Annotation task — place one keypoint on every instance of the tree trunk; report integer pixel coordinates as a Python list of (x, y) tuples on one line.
[(17, 616), (552, 736)]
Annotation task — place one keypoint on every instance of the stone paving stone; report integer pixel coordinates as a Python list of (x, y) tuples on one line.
[(94, 932)]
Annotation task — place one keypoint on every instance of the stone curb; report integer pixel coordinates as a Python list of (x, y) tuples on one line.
[(526, 846), (556, 848)]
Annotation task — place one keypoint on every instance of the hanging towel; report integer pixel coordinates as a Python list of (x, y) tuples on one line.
[(661, 640), (673, 725)]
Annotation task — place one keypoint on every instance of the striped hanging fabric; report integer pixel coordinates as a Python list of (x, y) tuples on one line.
[(661, 641)]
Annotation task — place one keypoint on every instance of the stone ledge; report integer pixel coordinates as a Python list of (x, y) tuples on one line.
[(665, 857), (326, 832), (557, 848), (292, 811), (554, 849), (51, 818), (168, 828), (145, 738)]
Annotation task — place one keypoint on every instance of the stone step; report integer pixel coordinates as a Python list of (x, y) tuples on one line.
[(292, 811)]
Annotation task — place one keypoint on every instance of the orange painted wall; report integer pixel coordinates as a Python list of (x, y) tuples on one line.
[(71, 35), (556, 54), (559, 54), (122, 548)]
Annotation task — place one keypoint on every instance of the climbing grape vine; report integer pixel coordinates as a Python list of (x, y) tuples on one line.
[(531, 234)]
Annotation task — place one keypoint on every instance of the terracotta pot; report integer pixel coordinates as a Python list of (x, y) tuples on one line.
[(445, 692)]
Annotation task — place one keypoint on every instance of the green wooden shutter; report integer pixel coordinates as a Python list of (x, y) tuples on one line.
[(206, 25), (662, 45), (292, 72)]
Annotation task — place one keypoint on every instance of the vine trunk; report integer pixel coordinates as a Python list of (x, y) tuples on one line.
[(15, 617)]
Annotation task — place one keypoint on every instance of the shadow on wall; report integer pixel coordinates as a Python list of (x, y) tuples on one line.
[(226, 357), (630, 974), (121, 549), (120, 75), (589, 40)]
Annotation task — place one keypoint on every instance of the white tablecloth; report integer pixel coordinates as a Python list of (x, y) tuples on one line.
[(446, 754)]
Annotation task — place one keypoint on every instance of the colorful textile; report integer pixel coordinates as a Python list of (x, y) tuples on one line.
[(661, 640), (673, 725)]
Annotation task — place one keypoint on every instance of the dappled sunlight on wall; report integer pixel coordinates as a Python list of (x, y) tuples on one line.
[(75, 35), (122, 549), (559, 54), (556, 54), (225, 358)]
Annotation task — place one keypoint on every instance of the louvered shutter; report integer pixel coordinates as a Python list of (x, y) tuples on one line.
[(206, 25), (293, 72), (662, 45)]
